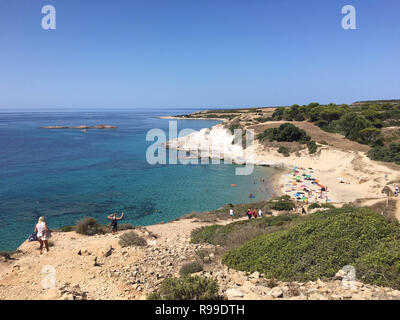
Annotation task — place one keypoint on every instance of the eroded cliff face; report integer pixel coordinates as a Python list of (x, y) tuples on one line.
[(366, 178)]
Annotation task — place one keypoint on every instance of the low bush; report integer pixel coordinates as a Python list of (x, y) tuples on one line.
[(312, 147), (386, 154), (314, 206), (130, 239), (285, 132), (203, 255), (67, 229), (284, 150), (187, 288), (235, 234), (322, 244), (282, 205), (89, 226), (5, 254), (191, 267)]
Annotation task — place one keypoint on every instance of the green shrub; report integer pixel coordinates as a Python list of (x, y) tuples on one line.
[(235, 234), (314, 206), (5, 254), (321, 123), (382, 265), (203, 255), (191, 267), (187, 288), (322, 244), (327, 206), (124, 226), (89, 226), (130, 239), (285, 132), (312, 147), (282, 205), (233, 127), (67, 229), (284, 150), (391, 154)]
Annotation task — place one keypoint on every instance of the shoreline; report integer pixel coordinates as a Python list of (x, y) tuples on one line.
[(133, 272), (282, 166)]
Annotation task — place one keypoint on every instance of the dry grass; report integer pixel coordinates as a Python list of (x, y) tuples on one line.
[(131, 239), (316, 134)]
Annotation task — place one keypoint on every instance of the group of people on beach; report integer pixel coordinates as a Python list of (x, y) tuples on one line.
[(303, 186), (42, 233)]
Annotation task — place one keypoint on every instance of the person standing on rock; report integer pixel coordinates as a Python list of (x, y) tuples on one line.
[(114, 222), (43, 234)]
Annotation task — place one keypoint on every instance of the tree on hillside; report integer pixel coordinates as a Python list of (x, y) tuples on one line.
[(351, 124), (369, 134)]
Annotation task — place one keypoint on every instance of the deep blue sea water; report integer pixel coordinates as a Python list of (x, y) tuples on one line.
[(66, 174)]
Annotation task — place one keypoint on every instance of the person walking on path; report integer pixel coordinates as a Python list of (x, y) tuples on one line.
[(43, 234), (114, 222), (249, 213), (231, 213), (255, 213)]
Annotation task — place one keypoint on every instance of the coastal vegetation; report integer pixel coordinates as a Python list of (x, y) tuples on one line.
[(187, 288), (361, 122), (319, 245), (89, 226), (387, 154), (235, 234), (190, 267), (288, 132), (277, 203), (130, 239)]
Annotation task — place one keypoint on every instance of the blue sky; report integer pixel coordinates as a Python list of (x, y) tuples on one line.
[(197, 53)]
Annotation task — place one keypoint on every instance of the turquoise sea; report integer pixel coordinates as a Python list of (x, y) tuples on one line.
[(67, 174)]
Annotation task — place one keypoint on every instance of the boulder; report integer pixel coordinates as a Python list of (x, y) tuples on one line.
[(317, 296), (276, 292), (233, 294)]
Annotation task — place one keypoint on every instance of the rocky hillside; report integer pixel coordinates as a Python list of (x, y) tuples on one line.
[(97, 267)]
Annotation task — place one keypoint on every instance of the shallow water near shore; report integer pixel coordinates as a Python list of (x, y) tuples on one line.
[(67, 174)]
